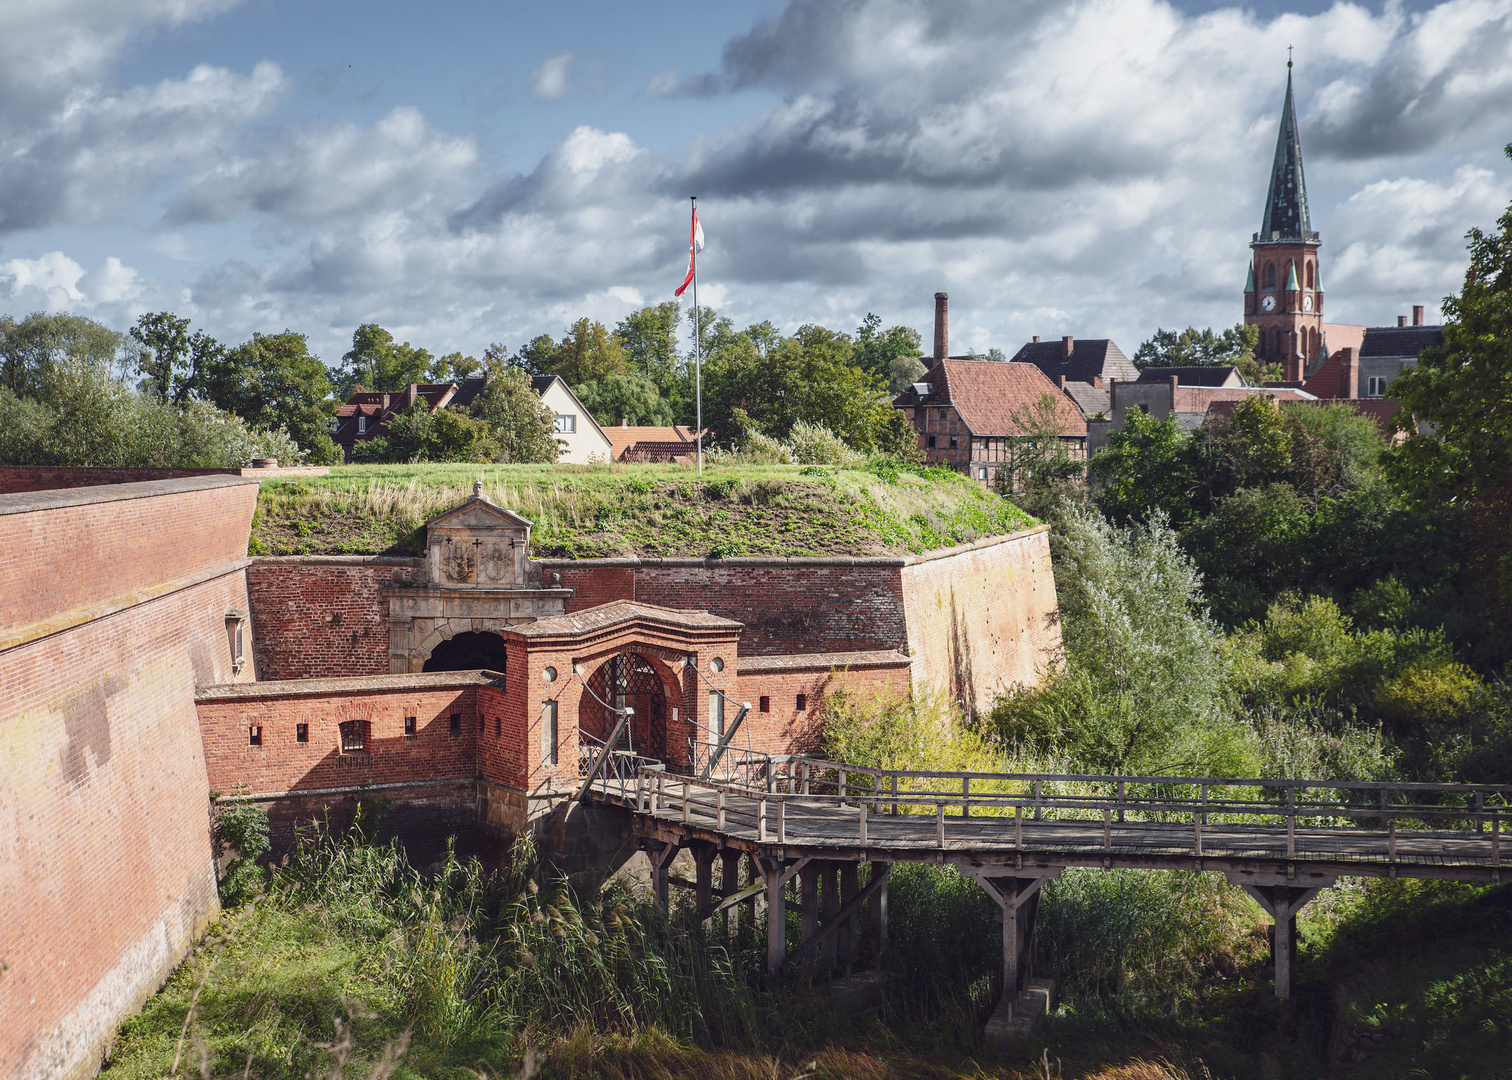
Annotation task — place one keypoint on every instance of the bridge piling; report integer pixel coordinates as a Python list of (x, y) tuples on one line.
[(1282, 903)]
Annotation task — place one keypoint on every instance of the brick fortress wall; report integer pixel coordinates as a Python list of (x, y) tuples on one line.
[(113, 605), (977, 618)]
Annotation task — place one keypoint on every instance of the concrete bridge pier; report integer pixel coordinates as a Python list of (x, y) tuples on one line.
[(1282, 899)]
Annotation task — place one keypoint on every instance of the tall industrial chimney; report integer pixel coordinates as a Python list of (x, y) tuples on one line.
[(942, 326)]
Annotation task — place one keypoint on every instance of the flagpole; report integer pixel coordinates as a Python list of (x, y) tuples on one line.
[(697, 344)]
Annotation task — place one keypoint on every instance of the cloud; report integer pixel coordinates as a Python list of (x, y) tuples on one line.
[(1448, 76), (550, 81), (99, 153), (55, 282), (667, 84), (323, 172)]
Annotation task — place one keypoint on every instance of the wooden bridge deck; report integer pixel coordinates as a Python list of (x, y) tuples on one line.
[(987, 830), (807, 825)]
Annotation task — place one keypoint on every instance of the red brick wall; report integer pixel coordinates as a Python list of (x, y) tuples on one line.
[(786, 730), (69, 550), (319, 619), (805, 607), (106, 871), (982, 619), (15, 478), (595, 585), (282, 763)]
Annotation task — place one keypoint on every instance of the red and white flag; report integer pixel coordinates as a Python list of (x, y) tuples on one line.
[(695, 245)]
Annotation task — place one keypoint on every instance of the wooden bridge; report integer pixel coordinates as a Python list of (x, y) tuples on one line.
[(805, 821)]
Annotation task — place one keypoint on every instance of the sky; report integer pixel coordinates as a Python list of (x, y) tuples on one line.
[(465, 172)]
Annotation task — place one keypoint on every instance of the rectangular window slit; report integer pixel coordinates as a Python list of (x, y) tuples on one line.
[(301, 732), (409, 727), (456, 723), (766, 703), (802, 702), (549, 730), (254, 735)]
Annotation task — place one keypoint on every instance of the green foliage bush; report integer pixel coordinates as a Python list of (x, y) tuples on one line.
[(241, 828)]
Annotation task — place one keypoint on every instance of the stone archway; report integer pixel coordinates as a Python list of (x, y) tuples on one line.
[(468, 651)]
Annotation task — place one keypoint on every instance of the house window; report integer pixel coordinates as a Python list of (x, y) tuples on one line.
[(954, 442), (1375, 386), (301, 732), (931, 442), (361, 425), (335, 424), (456, 723), (353, 736), (716, 715), (944, 414), (1145, 409), (802, 702), (254, 735), (549, 730), (981, 474), (409, 727), (766, 703), (565, 425)]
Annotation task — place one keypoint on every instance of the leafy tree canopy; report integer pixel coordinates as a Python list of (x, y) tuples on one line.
[(891, 355), (625, 397), (273, 382), (35, 349), (377, 362), (1204, 348), (522, 427)]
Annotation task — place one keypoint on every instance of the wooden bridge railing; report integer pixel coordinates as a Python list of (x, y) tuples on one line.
[(776, 794)]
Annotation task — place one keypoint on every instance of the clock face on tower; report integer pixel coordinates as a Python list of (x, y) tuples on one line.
[(1268, 303), (1307, 302)]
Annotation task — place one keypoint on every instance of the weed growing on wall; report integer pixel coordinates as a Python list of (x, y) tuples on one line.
[(242, 829)]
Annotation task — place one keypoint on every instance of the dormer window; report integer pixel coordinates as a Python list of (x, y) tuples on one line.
[(361, 424)]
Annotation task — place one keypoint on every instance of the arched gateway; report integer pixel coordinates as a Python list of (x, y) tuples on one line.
[(626, 680), (477, 579)]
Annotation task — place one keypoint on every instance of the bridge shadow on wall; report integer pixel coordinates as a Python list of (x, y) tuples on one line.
[(468, 651)]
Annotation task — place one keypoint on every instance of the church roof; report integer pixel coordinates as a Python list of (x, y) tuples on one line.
[(1286, 216)]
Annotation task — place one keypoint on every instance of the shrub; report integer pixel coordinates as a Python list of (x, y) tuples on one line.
[(241, 828)]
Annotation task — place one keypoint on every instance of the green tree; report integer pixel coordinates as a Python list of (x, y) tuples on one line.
[(162, 359), (1250, 448), (589, 352), (273, 382), (625, 397), (891, 355), (1204, 348), (33, 350), (649, 339), (376, 362), (1457, 409), (523, 429), (1143, 469), (454, 367), (417, 434)]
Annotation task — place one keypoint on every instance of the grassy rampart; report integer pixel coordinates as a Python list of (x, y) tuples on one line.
[(601, 511)]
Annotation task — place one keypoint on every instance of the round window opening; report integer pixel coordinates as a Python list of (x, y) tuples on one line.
[(549, 674), (717, 663)]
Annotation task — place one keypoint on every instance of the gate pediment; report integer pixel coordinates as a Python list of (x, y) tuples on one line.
[(478, 545)]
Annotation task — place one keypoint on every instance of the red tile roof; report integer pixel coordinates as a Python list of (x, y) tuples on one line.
[(622, 437), (994, 397)]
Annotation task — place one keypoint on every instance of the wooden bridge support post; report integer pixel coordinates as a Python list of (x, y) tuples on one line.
[(847, 933), (661, 862), (830, 908), (1018, 896), (808, 899), (703, 874), (776, 920), (753, 874), (729, 884), (1281, 903), (879, 907)]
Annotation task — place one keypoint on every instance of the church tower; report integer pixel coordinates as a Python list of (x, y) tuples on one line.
[(1283, 297)]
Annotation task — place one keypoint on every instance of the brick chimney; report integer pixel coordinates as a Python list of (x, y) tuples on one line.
[(1036, 339), (1060, 381), (1417, 314), (942, 326), (1068, 346), (1349, 373), (624, 422), (1174, 382), (1401, 320)]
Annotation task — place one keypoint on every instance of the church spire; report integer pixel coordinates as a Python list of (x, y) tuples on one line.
[(1286, 215)]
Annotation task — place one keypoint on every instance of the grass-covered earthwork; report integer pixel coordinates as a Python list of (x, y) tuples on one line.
[(603, 511)]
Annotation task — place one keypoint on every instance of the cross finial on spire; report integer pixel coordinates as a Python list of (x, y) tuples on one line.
[(1288, 57)]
